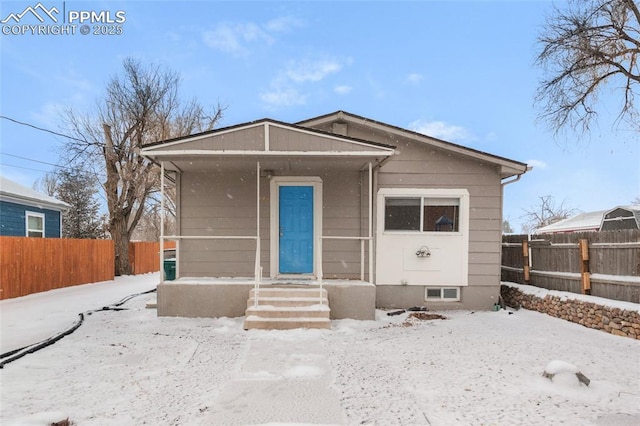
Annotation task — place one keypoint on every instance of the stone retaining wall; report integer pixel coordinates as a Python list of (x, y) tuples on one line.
[(616, 321)]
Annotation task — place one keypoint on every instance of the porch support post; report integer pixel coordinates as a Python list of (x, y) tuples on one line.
[(258, 272), (161, 221), (370, 222)]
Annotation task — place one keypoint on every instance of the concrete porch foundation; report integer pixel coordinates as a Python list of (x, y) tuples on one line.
[(213, 297)]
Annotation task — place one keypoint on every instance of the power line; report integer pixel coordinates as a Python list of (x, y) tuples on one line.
[(37, 161), (26, 168), (42, 129)]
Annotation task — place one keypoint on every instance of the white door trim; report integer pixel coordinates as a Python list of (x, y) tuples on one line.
[(274, 221)]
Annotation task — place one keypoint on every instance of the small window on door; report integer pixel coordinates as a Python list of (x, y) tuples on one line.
[(35, 224)]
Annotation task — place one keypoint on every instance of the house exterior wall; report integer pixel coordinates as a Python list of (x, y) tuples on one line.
[(224, 203), (418, 166), (13, 223)]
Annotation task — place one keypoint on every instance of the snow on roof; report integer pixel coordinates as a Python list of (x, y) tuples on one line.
[(583, 222), (590, 221), (13, 191)]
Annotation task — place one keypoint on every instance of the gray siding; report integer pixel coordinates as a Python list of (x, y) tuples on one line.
[(417, 165), (281, 139), (224, 203), (239, 139), (221, 204)]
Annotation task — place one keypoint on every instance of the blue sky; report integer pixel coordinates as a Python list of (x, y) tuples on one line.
[(462, 71)]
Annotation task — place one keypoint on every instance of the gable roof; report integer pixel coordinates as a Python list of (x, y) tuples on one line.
[(16, 193), (508, 167)]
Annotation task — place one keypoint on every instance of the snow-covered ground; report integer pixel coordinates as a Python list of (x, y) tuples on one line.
[(473, 368)]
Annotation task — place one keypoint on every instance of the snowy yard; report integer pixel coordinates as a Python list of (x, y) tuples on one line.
[(482, 368)]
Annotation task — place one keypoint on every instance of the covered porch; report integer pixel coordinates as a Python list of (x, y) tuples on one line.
[(268, 205)]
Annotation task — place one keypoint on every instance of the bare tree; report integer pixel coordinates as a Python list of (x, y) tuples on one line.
[(590, 45), (545, 213), (506, 227), (148, 228), (47, 184), (141, 106)]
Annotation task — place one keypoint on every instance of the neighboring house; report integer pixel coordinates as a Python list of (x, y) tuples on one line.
[(25, 212), (617, 218), (380, 215)]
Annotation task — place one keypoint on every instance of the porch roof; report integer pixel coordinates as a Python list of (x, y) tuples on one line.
[(275, 144)]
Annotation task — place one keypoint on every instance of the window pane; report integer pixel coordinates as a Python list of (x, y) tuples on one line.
[(402, 214), (450, 293), (441, 214), (35, 222), (37, 234), (433, 293)]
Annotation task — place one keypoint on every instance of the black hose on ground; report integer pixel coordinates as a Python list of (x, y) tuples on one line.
[(15, 354)]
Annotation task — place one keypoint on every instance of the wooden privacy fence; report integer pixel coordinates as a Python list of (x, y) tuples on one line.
[(605, 264), (144, 256), (32, 265)]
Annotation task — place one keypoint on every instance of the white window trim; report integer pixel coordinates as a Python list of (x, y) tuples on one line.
[(442, 298), (26, 222), (274, 221)]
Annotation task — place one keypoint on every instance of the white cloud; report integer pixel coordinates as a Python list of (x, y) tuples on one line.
[(283, 97), (414, 78), (288, 86), (538, 164), (441, 130), (235, 38), (313, 71), (283, 24), (343, 89)]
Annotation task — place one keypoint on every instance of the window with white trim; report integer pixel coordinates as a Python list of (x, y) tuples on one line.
[(422, 214), (34, 224), (442, 294)]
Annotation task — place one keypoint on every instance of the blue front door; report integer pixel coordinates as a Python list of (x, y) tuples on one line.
[(296, 229)]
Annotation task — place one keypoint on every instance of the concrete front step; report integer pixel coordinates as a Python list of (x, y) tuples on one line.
[(287, 301), (260, 323), (269, 311), (288, 307), (269, 291)]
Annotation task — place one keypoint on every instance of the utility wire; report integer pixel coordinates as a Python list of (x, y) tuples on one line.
[(37, 161), (26, 168), (42, 129)]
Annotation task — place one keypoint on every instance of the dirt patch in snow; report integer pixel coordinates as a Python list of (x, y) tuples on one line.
[(423, 316)]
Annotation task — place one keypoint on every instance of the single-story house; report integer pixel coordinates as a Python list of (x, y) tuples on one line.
[(25, 212), (617, 218), (371, 214)]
